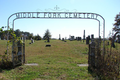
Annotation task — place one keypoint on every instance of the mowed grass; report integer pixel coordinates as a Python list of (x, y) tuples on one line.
[(58, 62)]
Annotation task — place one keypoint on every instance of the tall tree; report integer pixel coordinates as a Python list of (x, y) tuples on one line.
[(18, 33), (37, 37), (30, 36), (117, 23), (116, 28), (47, 35)]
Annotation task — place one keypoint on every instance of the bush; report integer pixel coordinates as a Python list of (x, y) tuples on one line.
[(107, 65), (5, 63)]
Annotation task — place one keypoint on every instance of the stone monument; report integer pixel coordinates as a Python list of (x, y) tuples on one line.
[(84, 35), (59, 37)]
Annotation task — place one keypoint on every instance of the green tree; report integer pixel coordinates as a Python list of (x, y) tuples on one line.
[(116, 28), (18, 33), (47, 35), (117, 23), (3, 33), (37, 37), (30, 36)]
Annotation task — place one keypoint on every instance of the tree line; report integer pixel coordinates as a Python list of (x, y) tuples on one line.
[(18, 33)]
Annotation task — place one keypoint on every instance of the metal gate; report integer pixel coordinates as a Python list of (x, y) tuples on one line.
[(18, 55)]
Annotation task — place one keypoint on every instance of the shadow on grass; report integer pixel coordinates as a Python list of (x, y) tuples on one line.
[(96, 76), (7, 66)]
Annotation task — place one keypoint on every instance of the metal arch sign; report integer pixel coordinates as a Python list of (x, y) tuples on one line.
[(60, 15)]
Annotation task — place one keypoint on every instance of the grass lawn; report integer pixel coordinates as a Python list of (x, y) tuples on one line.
[(58, 62)]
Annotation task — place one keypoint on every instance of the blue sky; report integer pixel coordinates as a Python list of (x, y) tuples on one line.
[(74, 27)]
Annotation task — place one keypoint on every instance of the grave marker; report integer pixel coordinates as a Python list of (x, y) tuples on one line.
[(62, 39), (84, 35), (59, 37), (48, 39), (87, 40), (91, 53)]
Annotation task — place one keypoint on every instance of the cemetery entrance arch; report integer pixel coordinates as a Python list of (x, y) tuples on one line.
[(58, 15)]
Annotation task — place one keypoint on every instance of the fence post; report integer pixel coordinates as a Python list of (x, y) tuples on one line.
[(24, 49), (13, 51), (91, 56)]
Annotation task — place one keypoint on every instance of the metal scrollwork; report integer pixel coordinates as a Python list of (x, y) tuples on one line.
[(38, 10), (74, 10), (57, 9)]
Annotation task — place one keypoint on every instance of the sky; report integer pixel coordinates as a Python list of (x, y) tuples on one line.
[(108, 9)]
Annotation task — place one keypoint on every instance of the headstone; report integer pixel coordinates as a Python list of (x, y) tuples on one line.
[(48, 45), (32, 40), (92, 37), (89, 37), (72, 38), (77, 38), (48, 39), (80, 38), (84, 35), (62, 39), (87, 40), (59, 37)]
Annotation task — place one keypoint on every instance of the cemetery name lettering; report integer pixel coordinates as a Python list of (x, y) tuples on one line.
[(56, 15)]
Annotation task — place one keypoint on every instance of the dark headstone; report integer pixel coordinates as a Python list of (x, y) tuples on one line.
[(87, 40), (59, 37), (48, 39), (76, 38), (72, 38), (80, 38), (92, 36), (89, 37), (62, 39), (84, 35), (48, 45)]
